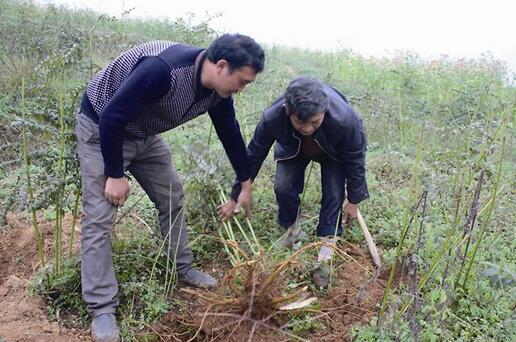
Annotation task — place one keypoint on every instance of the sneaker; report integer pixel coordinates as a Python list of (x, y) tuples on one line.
[(321, 275), (196, 278), (293, 235), (104, 328)]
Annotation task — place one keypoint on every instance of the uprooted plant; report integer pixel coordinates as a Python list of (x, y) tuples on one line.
[(251, 292)]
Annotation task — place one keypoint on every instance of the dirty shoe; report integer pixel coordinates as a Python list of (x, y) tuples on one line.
[(293, 235), (196, 278), (321, 275), (104, 328), (327, 249)]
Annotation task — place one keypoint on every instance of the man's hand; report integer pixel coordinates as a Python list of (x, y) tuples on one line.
[(230, 208), (227, 210), (349, 213), (116, 191), (244, 199)]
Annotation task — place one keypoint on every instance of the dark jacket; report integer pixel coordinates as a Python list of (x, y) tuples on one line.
[(341, 136)]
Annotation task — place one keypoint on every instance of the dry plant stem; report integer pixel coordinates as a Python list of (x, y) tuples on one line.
[(162, 337), (386, 292), (490, 208), (142, 221), (166, 239), (233, 244), (452, 246), (282, 266), (228, 279), (249, 310), (74, 221), (456, 221), (231, 274), (412, 276), (259, 322), (345, 255), (278, 300), (212, 300), (252, 332), (470, 223), (202, 323), (238, 320), (373, 250), (129, 209), (61, 170)]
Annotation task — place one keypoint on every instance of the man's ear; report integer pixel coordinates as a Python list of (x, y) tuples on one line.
[(221, 65)]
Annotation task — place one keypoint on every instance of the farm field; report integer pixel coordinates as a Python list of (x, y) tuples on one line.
[(440, 169)]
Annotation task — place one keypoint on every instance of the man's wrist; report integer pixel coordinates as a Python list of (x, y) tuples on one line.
[(246, 185)]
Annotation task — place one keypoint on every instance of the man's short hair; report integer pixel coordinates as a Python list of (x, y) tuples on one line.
[(238, 50), (305, 97)]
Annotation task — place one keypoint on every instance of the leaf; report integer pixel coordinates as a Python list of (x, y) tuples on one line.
[(499, 276)]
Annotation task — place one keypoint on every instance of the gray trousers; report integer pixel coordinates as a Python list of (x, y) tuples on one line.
[(149, 161)]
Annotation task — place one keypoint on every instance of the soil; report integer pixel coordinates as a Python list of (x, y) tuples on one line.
[(352, 299), (23, 317)]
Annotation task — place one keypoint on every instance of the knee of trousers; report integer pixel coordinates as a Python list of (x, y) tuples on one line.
[(284, 190), (171, 203), (98, 222)]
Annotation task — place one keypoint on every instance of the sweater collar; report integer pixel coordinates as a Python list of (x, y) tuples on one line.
[(200, 90)]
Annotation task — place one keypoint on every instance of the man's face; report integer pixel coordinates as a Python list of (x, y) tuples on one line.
[(231, 82), (307, 127)]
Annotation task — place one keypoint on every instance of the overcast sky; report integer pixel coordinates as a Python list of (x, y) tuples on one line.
[(431, 28)]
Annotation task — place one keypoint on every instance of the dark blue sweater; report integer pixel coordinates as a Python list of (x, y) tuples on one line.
[(158, 93)]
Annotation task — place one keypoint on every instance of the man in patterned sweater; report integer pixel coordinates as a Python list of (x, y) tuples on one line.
[(147, 90)]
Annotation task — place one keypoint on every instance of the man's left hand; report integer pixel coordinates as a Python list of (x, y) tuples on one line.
[(349, 213), (244, 199)]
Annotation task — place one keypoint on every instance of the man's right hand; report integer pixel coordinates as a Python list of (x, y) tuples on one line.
[(116, 191), (232, 207), (227, 210)]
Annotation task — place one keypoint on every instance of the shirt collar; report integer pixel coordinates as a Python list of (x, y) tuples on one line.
[(200, 90)]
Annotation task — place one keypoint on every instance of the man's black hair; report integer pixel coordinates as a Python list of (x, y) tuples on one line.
[(305, 97), (238, 50)]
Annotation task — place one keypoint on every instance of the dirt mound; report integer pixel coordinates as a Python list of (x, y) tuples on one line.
[(22, 316), (353, 299)]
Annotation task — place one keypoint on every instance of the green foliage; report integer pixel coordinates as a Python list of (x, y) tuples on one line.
[(499, 276), (431, 125), (305, 323), (204, 173), (141, 295), (63, 291)]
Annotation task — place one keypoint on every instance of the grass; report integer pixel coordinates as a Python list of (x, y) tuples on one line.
[(432, 127)]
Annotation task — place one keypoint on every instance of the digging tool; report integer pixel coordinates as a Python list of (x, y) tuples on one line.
[(371, 246)]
